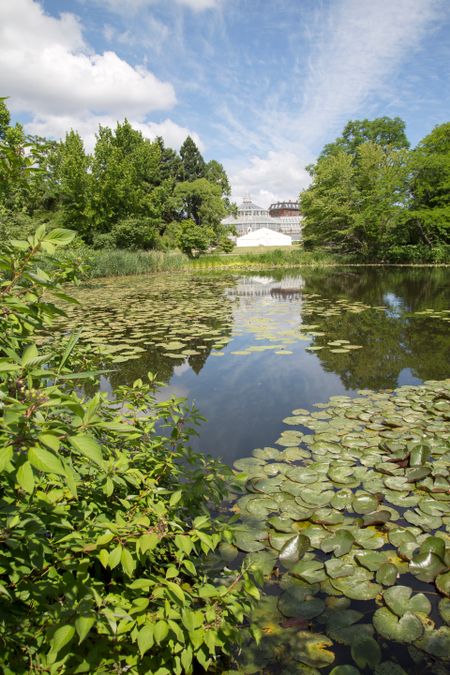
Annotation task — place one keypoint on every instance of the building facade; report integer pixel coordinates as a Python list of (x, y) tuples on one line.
[(281, 217)]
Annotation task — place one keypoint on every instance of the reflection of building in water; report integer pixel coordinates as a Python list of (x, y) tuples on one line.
[(283, 217), (288, 288)]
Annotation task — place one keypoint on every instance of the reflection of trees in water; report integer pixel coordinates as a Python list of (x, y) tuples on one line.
[(392, 341), (217, 317)]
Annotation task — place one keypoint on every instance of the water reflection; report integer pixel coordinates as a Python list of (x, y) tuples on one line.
[(237, 345)]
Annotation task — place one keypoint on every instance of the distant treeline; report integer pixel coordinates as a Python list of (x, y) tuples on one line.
[(372, 196), (129, 193)]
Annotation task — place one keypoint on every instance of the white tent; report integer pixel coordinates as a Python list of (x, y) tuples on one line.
[(264, 237)]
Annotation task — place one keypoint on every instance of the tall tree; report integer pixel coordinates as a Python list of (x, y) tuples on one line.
[(193, 163), (74, 185), (430, 185)]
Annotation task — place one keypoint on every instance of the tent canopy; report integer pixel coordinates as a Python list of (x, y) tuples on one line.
[(264, 237)]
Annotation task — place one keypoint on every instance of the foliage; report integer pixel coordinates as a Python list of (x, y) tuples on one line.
[(109, 262), (105, 511), (74, 184), (430, 169), (350, 519), (370, 194), (193, 164)]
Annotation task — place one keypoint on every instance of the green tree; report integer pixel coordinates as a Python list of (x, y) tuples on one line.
[(359, 193), (125, 170), (74, 185), (194, 166), (387, 132), (430, 186)]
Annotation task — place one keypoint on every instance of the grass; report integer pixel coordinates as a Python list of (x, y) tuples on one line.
[(119, 262), (267, 256)]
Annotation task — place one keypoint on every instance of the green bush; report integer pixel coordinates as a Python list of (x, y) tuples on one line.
[(107, 560)]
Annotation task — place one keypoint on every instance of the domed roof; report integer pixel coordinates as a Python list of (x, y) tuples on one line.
[(249, 206)]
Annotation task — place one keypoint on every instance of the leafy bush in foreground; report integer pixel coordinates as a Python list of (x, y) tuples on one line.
[(105, 527)]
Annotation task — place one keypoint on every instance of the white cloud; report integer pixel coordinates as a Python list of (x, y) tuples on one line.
[(48, 71), (365, 41), (45, 66), (280, 175), (357, 45), (199, 5)]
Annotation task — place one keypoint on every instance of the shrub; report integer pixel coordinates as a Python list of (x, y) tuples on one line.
[(105, 519)]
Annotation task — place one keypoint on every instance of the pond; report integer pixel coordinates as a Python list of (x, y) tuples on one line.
[(347, 517), (247, 349)]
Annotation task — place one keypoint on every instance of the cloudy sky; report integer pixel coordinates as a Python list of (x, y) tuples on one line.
[(261, 85)]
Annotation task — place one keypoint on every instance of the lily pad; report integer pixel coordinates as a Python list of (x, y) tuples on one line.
[(340, 543), (366, 652), (400, 600), (312, 649), (407, 629)]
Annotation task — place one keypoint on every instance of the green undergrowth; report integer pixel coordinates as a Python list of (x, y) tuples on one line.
[(108, 520), (349, 516), (292, 257), (121, 262)]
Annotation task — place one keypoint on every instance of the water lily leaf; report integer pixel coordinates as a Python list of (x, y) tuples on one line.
[(228, 552), (419, 455), (444, 610), (345, 670), (425, 522), (376, 518), (364, 504), (400, 600), (340, 543), (408, 628), (436, 642), (281, 524), (294, 549), (246, 541), (370, 538), (443, 584), (356, 590), (426, 566), (307, 609), (342, 499), (327, 516), (399, 483), (261, 561), (387, 574), (416, 473), (312, 649), (311, 571), (371, 560), (435, 545), (338, 568), (366, 652)]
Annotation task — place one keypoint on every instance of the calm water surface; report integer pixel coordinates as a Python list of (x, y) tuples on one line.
[(246, 396)]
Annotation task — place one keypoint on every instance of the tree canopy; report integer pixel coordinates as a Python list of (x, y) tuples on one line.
[(371, 195)]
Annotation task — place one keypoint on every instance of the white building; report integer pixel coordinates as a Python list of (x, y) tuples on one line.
[(281, 217), (264, 237)]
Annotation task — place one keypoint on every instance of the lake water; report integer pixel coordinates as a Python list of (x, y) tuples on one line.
[(248, 349)]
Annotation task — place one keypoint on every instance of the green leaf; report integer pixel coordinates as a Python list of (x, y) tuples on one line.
[(443, 584), (340, 543), (29, 355), (25, 477), (145, 638), (60, 236), (61, 638), (147, 542), (294, 549), (115, 556), (6, 455), (388, 625), (366, 652), (88, 446), (128, 562), (400, 600), (177, 591), (46, 461), (83, 625), (387, 574), (161, 631)]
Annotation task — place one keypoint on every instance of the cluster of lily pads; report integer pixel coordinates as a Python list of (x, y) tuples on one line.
[(177, 316), (348, 521)]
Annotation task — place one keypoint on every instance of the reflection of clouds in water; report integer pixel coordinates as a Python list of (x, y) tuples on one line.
[(179, 370), (170, 390)]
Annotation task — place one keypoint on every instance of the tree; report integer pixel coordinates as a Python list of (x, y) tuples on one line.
[(74, 185), (193, 163), (430, 186), (359, 194), (387, 132)]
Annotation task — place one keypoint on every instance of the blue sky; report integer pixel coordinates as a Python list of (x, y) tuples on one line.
[(261, 85)]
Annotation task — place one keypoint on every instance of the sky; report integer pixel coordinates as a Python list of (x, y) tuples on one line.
[(260, 85)]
